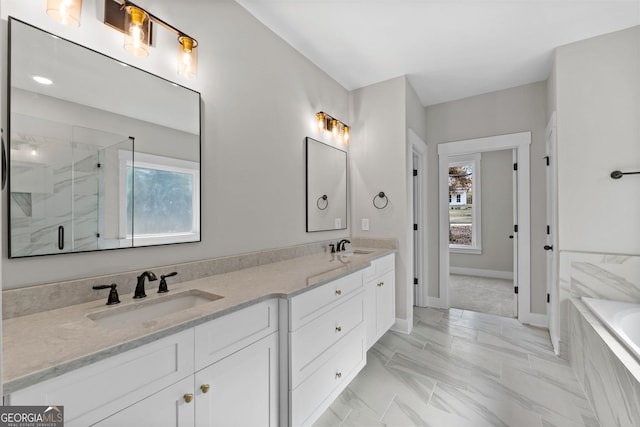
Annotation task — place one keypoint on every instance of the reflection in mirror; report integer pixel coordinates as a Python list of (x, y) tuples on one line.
[(326, 187), (101, 155)]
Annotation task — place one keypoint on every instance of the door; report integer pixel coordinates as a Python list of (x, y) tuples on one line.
[(241, 389), (167, 408), (515, 233), (552, 235), (416, 237)]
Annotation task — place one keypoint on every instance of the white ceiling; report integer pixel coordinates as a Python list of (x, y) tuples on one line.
[(449, 49)]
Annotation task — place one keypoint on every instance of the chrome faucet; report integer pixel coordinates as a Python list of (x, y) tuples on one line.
[(139, 292), (340, 245)]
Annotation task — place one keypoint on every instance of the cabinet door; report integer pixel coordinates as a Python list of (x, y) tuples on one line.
[(371, 313), (241, 389), (385, 303), (167, 408)]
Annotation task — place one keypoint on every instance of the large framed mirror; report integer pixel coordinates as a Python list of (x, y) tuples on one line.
[(101, 155), (326, 187)]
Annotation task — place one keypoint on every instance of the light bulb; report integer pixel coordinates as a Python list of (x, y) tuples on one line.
[(187, 56), (345, 135), (334, 128), (320, 117), (136, 40), (66, 12)]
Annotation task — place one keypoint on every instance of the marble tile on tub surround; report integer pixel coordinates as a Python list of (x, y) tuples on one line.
[(606, 276), (34, 299), (612, 389)]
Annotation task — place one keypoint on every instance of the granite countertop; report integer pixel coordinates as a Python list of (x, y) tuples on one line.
[(47, 344)]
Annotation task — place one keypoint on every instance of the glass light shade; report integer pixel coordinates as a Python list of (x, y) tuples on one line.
[(187, 57), (345, 134), (137, 26), (321, 120), (66, 12), (334, 128)]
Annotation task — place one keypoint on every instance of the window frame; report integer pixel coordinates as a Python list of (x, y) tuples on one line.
[(475, 160), (170, 164)]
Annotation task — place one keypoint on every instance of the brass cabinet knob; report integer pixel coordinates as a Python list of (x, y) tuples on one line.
[(338, 328), (338, 292), (188, 397), (205, 388), (338, 375), (381, 284)]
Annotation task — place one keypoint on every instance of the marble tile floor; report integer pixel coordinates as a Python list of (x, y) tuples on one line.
[(460, 368), (482, 294)]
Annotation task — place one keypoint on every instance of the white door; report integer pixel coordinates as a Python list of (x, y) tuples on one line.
[(515, 233), (241, 389), (167, 408), (552, 234)]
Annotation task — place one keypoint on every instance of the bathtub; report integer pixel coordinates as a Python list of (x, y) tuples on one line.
[(621, 318)]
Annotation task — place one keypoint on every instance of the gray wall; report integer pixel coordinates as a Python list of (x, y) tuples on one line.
[(513, 110), (259, 99), (598, 107), (497, 216)]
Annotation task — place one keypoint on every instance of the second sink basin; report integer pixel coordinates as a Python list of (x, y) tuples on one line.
[(146, 310)]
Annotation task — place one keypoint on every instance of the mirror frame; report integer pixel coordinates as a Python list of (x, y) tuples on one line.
[(308, 202), (7, 164)]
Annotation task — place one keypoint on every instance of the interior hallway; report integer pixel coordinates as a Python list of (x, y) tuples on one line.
[(482, 294), (463, 369)]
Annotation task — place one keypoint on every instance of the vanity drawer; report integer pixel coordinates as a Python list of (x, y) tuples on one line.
[(228, 334), (307, 306), (310, 341), (94, 392), (316, 393), (379, 266)]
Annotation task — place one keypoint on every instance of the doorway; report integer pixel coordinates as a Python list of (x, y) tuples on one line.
[(520, 143), (482, 211)]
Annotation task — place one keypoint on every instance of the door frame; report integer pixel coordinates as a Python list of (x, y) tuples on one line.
[(521, 143), (419, 156), (553, 291)]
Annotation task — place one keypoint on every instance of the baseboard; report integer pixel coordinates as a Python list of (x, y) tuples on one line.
[(479, 272), (403, 326), (434, 302), (534, 319)]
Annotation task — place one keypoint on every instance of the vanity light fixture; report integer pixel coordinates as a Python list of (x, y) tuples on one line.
[(137, 26), (66, 12), (334, 126)]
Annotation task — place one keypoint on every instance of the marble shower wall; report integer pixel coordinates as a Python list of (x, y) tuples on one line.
[(608, 373), (604, 276)]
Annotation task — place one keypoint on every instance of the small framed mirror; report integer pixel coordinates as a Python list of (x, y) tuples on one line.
[(326, 204)]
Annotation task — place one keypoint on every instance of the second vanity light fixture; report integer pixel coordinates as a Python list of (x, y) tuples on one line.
[(335, 127), (66, 12), (136, 24)]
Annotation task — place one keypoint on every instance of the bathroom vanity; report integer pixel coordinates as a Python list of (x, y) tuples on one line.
[(281, 344)]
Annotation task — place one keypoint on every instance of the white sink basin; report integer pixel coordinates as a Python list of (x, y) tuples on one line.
[(147, 310)]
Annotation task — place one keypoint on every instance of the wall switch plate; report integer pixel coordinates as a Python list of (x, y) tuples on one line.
[(365, 224)]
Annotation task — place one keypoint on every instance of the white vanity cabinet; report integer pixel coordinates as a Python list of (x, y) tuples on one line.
[(380, 297), (326, 345), (207, 375)]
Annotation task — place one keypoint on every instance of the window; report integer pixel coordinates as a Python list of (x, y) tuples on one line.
[(165, 208), (464, 213)]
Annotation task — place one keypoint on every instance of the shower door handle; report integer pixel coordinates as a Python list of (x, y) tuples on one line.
[(61, 237)]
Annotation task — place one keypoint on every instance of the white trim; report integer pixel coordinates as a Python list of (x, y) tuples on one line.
[(403, 326), (478, 272), (461, 249), (521, 142), (420, 149), (552, 260), (535, 319)]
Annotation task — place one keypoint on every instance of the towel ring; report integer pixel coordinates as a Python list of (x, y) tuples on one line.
[(383, 197), (319, 202)]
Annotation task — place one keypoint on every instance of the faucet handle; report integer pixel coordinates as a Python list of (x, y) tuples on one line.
[(163, 283), (113, 294)]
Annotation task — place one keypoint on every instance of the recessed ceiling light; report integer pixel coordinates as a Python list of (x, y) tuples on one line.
[(42, 80)]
